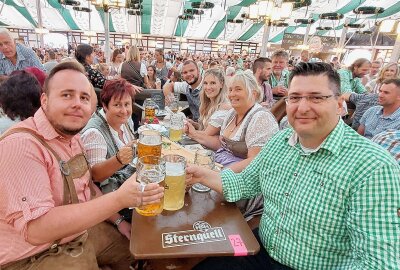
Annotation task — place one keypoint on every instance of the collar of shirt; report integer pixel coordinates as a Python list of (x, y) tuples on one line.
[(284, 74), (395, 115), (332, 143), (113, 131), (20, 55), (197, 89), (44, 126)]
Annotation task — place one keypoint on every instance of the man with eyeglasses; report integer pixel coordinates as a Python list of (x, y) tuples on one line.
[(331, 197)]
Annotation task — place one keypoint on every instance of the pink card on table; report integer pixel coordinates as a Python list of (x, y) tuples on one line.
[(239, 247)]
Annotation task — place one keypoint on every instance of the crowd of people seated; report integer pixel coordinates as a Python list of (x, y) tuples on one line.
[(326, 177)]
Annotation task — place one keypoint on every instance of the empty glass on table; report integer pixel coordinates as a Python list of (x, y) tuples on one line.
[(204, 158)]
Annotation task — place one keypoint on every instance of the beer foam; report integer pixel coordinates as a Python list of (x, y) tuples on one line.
[(150, 141), (174, 169)]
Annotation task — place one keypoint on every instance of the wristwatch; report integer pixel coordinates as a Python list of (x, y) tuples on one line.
[(118, 221)]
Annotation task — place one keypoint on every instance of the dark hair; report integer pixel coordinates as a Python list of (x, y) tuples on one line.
[(154, 71), (260, 62), (280, 53), (52, 55), (83, 50), (177, 75), (188, 62), (394, 81), (359, 62), (115, 54), (20, 95), (116, 88), (314, 69), (69, 65), (160, 51)]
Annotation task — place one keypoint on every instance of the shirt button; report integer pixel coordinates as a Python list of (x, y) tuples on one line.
[(295, 174), (321, 183), (277, 232), (286, 194), (24, 199)]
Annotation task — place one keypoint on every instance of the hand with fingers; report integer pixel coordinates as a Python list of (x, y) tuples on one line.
[(134, 194), (125, 154)]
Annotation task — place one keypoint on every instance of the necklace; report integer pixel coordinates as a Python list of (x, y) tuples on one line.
[(241, 120)]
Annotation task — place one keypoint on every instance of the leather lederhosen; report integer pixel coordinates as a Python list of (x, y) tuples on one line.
[(74, 168)]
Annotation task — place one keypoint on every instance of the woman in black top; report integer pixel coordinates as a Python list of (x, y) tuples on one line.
[(85, 55)]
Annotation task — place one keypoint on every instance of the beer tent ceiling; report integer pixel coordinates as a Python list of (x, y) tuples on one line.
[(160, 18)]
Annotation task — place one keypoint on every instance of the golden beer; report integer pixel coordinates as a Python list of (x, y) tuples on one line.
[(175, 134), (174, 193), (150, 112), (149, 144), (149, 149), (150, 169), (151, 209)]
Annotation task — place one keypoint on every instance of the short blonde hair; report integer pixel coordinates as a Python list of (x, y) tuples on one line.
[(250, 83), (133, 54)]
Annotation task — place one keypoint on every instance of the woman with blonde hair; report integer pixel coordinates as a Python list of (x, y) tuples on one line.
[(132, 69), (214, 106), (247, 126), (390, 71)]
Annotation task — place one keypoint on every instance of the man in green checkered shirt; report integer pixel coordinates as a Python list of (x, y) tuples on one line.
[(331, 197), (350, 79)]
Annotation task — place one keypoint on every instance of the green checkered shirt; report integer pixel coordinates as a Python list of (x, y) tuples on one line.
[(332, 209), (348, 84), (273, 81)]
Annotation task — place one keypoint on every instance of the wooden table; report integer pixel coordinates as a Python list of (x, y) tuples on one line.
[(205, 226)]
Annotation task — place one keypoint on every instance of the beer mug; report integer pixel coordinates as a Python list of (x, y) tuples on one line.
[(150, 108), (174, 194), (150, 169), (149, 143), (176, 127), (204, 158)]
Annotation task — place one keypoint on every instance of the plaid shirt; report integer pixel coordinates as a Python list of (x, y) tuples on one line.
[(349, 84), (363, 102), (284, 79), (390, 140), (332, 209), (26, 57), (375, 122)]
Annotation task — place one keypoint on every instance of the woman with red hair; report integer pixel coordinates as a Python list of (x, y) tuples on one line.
[(108, 135)]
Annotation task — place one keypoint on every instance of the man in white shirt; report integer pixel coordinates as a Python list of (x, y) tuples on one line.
[(191, 87)]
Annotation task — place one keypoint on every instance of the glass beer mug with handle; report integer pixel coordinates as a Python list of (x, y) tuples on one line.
[(204, 158), (150, 108), (174, 194), (149, 143), (150, 169)]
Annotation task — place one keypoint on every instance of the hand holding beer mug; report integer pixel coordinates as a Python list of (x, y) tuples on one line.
[(176, 127), (175, 174), (150, 169), (204, 158)]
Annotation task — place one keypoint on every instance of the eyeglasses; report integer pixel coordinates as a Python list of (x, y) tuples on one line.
[(316, 99)]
